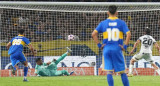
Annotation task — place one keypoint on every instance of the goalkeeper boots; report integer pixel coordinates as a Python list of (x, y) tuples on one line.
[(68, 50)]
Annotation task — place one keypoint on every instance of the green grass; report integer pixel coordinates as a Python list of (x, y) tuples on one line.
[(78, 81)]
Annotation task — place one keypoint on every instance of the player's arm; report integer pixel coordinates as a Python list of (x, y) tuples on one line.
[(26, 40), (32, 49), (128, 38), (157, 47), (48, 63), (95, 35), (95, 38), (8, 45), (128, 35), (134, 47)]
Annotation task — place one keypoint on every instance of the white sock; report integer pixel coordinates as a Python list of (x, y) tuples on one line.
[(130, 68), (25, 77), (158, 71), (66, 52)]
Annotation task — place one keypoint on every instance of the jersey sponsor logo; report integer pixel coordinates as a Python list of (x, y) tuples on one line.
[(112, 23), (17, 41)]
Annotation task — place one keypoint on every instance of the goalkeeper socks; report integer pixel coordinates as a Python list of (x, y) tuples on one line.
[(130, 68), (110, 80), (125, 79), (64, 55), (25, 71)]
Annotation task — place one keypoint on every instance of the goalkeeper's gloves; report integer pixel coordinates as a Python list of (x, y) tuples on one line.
[(99, 45), (125, 47)]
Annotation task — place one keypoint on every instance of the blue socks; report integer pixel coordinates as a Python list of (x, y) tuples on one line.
[(125, 79), (25, 71), (110, 80)]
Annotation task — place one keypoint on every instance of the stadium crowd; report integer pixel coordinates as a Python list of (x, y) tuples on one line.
[(44, 26)]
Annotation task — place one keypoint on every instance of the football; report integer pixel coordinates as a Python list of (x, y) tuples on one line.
[(71, 37)]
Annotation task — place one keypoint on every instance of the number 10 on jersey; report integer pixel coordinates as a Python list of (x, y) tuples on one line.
[(113, 34)]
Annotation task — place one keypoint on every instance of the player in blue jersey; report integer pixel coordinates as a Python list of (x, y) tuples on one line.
[(113, 30), (15, 51)]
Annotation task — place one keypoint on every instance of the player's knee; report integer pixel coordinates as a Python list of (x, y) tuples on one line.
[(132, 61), (151, 62), (25, 64)]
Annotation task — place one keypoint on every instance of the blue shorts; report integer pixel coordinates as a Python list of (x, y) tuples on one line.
[(113, 58), (17, 57)]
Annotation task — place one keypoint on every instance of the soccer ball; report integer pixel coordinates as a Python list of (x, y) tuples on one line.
[(71, 37)]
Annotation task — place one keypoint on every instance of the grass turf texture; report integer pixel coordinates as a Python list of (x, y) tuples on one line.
[(78, 81)]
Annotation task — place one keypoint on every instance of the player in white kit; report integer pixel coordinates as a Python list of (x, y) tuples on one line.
[(147, 42)]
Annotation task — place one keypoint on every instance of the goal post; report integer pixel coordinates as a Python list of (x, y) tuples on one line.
[(48, 25)]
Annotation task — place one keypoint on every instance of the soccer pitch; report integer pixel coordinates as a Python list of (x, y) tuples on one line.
[(78, 81)]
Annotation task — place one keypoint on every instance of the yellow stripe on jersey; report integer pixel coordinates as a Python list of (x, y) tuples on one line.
[(121, 35), (23, 43), (103, 65), (105, 35), (20, 35), (96, 31), (112, 18), (128, 32)]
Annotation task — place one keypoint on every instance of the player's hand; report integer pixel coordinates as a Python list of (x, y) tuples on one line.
[(122, 47), (131, 53), (102, 46), (35, 52)]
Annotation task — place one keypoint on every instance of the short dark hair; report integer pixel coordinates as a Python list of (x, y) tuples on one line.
[(21, 31), (147, 31), (38, 59), (112, 9)]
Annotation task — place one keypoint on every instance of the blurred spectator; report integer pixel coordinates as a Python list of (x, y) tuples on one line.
[(47, 25)]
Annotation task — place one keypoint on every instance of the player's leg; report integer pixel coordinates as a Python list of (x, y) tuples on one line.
[(23, 60), (107, 65), (148, 57), (110, 78), (62, 72), (156, 68), (14, 62), (119, 65), (63, 56), (135, 58), (124, 78), (25, 70)]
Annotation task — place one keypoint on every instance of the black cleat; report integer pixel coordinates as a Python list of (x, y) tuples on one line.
[(25, 80), (13, 70)]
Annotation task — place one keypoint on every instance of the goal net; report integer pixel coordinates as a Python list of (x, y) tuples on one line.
[(48, 25)]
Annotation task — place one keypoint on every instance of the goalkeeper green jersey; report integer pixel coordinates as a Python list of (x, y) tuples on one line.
[(48, 70)]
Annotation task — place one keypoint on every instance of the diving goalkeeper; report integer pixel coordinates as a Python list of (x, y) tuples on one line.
[(50, 68)]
